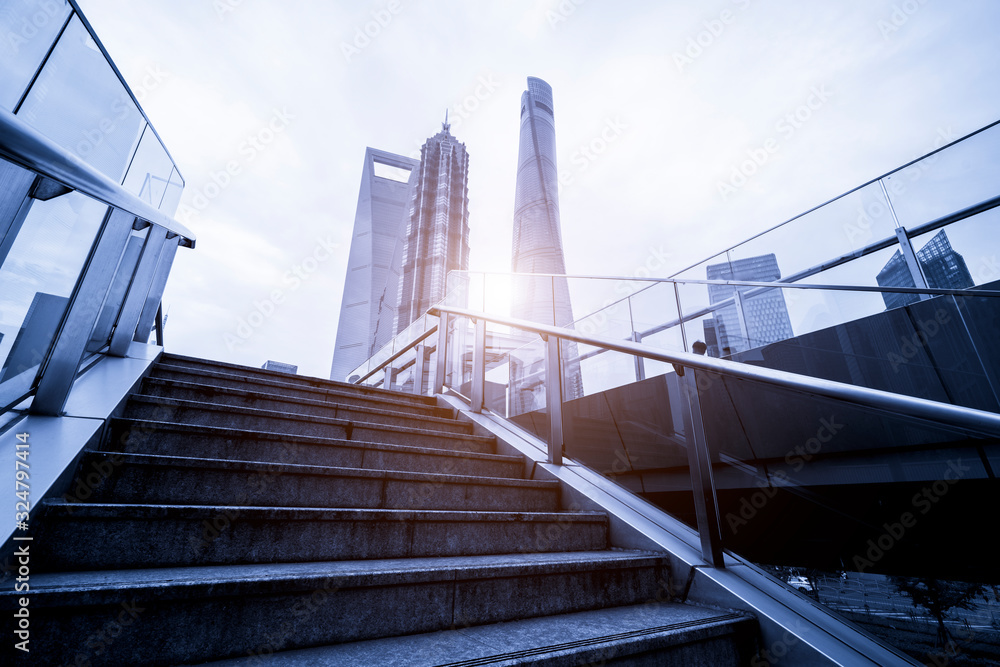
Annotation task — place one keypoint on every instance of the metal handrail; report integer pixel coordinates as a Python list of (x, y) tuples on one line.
[(977, 422), (25, 146), (409, 346)]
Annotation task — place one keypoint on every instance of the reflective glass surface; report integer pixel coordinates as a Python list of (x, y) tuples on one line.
[(28, 28), (104, 126), (39, 274), (172, 195), (149, 172)]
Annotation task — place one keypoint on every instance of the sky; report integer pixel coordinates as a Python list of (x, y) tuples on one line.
[(267, 108)]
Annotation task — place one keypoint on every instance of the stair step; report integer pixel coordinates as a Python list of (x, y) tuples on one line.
[(91, 536), (142, 406), (176, 480), (169, 439), (662, 635), (293, 387), (202, 366), (322, 407), (166, 616)]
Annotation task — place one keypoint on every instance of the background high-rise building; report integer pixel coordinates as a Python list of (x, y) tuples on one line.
[(765, 314), (437, 238), (537, 246), (371, 288), (942, 266)]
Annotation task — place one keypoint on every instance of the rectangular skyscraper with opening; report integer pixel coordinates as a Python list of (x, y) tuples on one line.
[(371, 288)]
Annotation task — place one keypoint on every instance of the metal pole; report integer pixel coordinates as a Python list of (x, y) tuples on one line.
[(479, 366), (640, 363), (912, 263), (553, 398), (419, 368), (702, 480), (442, 349)]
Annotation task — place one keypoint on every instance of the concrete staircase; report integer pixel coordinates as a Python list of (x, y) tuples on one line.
[(245, 515)]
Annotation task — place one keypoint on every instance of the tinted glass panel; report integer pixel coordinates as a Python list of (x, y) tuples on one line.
[(28, 28)]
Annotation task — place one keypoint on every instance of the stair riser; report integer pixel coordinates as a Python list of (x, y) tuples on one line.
[(283, 408), (274, 424), (230, 538), (198, 445), (167, 633), (203, 486), (294, 392)]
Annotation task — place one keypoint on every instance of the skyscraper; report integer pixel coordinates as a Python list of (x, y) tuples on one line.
[(437, 238), (764, 313), (371, 288), (537, 246), (942, 266), (537, 235)]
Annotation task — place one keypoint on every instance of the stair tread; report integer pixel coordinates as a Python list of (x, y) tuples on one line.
[(250, 371), (249, 434), (604, 630), (407, 400), (426, 415), (236, 465), (179, 583), (61, 508), (300, 416)]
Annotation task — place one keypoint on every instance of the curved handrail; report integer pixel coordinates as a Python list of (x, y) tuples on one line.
[(978, 422), (25, 146)]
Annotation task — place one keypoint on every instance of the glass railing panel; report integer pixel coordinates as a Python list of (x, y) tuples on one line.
[(105, 126), (957, 177), (498, 290), (28, 27), (500, 342), (526, 382), (458, 366), (832, 496), (843, 226), (540, 299), (38, 275), (698, 271), (963, 254), (149, 172), (172, 194)]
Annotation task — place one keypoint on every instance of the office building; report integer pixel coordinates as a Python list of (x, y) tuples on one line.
[(941, 265), (371, 287), (755, 317), (437, 237)]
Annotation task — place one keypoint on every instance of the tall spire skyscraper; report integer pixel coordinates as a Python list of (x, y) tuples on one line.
[(437, 239), (537, 235), (537, 246)]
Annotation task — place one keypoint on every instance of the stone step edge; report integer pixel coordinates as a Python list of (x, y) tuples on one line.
[(621, 644), (70, 589), (60, 509), (238, 465), (244, 371), (392, 397), (314, 440), (330, 421), (278, 398)]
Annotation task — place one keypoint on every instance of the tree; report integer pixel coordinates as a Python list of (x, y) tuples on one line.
[(938, 597)]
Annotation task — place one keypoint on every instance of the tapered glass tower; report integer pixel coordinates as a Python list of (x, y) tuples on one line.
[(537, 246), (537, 235)]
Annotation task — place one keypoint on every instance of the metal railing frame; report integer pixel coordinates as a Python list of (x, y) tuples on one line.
[(26, 148)]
